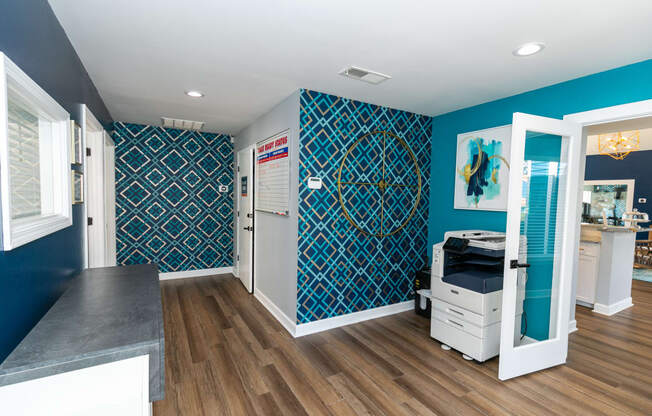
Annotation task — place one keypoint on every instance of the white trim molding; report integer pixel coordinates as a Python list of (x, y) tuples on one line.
[(54, 160), (329, 323), (195, 273), (614, 308), (572, 326), (611, 114), (603, 115), (352, 318), (276, 312)]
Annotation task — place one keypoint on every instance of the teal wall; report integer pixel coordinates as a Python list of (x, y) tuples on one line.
[(617, 86)]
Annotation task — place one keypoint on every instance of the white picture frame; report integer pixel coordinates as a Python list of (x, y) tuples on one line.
[(77, 186), (489, 191)]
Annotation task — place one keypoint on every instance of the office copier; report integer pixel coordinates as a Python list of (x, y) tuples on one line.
[(466, 285)]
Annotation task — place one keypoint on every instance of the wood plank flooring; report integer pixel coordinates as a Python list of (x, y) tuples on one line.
[(226, 355)]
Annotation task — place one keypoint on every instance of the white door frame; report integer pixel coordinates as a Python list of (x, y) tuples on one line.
[(109, 200), (604, 115), (251, 150), (103, 220), (88, 122)]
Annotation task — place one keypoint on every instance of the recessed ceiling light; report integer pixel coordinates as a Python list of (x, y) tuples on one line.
[(194, 94), (528, 49)]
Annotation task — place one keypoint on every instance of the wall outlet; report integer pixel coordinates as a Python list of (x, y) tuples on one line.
[(223, 188)]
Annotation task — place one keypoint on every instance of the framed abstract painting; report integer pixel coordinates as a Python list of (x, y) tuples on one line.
[(482, 169)]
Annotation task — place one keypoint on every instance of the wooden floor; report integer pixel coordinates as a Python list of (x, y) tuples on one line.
[(225, 354)]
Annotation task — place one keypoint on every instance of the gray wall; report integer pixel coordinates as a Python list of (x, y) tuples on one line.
[(277, 236)]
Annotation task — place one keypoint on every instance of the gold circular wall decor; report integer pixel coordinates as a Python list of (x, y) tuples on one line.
[(384, 185)]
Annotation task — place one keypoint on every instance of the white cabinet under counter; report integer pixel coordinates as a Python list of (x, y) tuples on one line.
[(587, 273), (606, 261)]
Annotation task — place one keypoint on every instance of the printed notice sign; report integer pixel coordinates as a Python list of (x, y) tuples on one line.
[(273, 174)]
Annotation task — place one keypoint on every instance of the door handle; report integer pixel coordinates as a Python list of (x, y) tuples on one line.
[(514, 264), (248, 228)]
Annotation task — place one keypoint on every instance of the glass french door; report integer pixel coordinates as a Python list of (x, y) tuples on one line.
[(541, 219)]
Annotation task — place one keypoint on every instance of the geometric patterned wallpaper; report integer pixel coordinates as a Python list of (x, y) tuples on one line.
[(169, 209), (340, 269)]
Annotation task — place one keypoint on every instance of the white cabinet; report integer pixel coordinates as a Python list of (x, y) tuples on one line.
[(587, 272)]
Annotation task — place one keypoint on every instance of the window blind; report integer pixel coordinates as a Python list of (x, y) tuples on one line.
[(539, 213), (24, 162)]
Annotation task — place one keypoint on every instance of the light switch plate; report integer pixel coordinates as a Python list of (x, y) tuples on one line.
[(223, 188), (642, 200)]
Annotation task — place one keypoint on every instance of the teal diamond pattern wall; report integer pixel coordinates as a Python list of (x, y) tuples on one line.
[(169, 209), (340, 269)]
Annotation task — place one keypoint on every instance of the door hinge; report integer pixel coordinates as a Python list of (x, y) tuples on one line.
[(88, 151), (89, 221), (238, 168)]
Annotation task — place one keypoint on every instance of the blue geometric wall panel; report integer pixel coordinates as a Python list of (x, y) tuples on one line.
[(340, 269), (169, 209)]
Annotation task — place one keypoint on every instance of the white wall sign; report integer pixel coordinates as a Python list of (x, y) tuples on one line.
[(273, 174)]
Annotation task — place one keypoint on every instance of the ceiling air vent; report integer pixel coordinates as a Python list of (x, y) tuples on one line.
[(176, 123), (365, 75)]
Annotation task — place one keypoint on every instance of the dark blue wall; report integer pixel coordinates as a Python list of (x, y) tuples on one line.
[(637, 166), (33, 276)]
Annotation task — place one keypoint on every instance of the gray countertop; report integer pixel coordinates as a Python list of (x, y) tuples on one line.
[(107, 314)]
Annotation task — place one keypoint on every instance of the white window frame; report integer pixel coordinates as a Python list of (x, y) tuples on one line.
[(15, 233)]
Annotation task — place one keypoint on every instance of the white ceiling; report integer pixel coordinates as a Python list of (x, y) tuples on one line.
[(246, 56)]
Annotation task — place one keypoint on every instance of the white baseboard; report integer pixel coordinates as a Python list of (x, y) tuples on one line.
[(572, 326), (329, 323), (276, 312), (352, 318), (613, 308), (194, 273)]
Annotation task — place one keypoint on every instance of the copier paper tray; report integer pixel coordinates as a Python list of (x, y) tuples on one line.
[(476, 280)]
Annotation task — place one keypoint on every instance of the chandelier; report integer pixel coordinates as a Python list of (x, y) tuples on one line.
[(619, 145)]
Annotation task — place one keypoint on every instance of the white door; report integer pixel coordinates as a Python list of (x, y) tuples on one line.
[(542, 207), (95, 206), (245, 197), (109, 200)]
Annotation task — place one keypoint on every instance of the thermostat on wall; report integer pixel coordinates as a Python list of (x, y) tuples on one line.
[(223, 188), (314, 183)]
